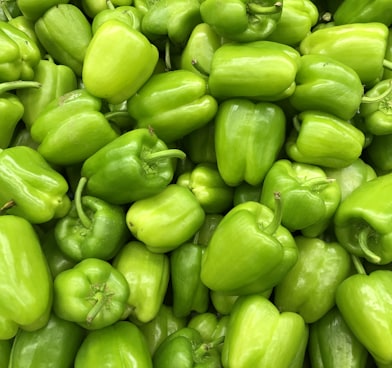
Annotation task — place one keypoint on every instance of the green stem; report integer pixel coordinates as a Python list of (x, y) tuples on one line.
[(275, 223), (207, 346), (296, 123), (84, 219), (168, 64), (159, 155), (100, 298), (387, 64), (8, 86), (318, 184), (6, 206), (6, 11), (257, 9), (199, 68), (363, 244), (116, 114), (358, 265), (386, 93), (110, 5)]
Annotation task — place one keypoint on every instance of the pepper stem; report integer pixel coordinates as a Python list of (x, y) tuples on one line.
[(84, 219), (363, 244), (159, 155), (387, 64), (116, 114), (277, 219), (101, 298), (257, 9), (6, 206), (110, 5), (8, 86), (358, 265), (318, 183), (168, 65), (199, 68), (6, 11), (386, 93), (207, 346)]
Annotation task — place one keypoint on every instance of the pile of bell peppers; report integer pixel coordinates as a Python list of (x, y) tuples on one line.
[(196, 183)]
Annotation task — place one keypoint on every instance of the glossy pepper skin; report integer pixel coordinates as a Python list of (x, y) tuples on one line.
[(257, 333), (309, 198), (320, 138), (33, 10), (147, 275), (65, 32), (92, 228), (361, 223), (41, 347), (242, 20), (361, 46), (174, 211), (92, 294), (110, 347), (234, 66), (262, 251), (38, 192), (119, 81), (173, 104), (244, 124), (135, 165), (29, 299), (325, 84), (71, 128), (332, 343), (365, 302)]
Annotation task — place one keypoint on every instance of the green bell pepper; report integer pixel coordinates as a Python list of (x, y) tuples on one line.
[(33, 9), (365, 303), (189, 294), (26, 286), (361, 222), (258, 334), (332, 343), (71, 128), (5, 351), (203, 235), (224, 303), (93, 7), (261, 252), (147, 275), (320, 138), (186, 348), (234, 67), (164, 324), (31, 187), (65, 33), (112, 78), (242, 20), (327, 85), (92, 294), (309, 197), (120, 345), (361, 46), (135, 165), (173, 104), (174, 211), (378, 153), (206, 183), (55, 80), (20, 54), (92, 228), (55, 343), (309, 287), (387, 73), (257, 130), (246, 192)]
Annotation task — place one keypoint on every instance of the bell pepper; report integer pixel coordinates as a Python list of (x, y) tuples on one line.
[(365, 302), (189, 294), (31, 187), (332, 343), (327, 85), (309, 287), (92, 294), (5, 351), (261, 252), (26, 288), (378, 153), (93, 7), (234, 67), (120, 345), (206, 183), (147, 275), (63, 126), (20, 54), (258, 334), (11, 108), (65, 32), (55, 80), (56, 342), (244, 192), (257, 130), (92, 228), (173, 104), (242, 20), (360, 46), (363, 11), (222, 302), (203, 235), (361, 223), (33, 10), (320, 138), (309, 197), (135, 165), (112, 78), (174, 211), (387, 73), (164, 324), (376, 108), (186, 348)]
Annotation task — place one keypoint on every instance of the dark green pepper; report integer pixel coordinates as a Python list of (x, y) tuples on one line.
[(378, 153), (5, 351)]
